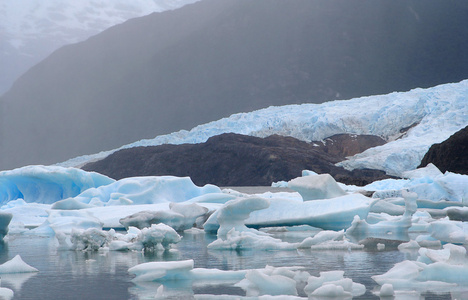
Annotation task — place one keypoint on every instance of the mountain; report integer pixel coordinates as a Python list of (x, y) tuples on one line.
[(31, 30), (450, 155), (176, 69), (410, 122), (238, 160)]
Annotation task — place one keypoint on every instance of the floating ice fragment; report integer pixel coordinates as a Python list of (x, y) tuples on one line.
[(47, 184), (16, 265), (314, 187), (6, 293)]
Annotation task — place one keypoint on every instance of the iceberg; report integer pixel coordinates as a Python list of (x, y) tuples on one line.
[(315, 187), (47, 184), (145, 190), (16, 265), (180, 217), (333, 284), (318, 213), (435, 270)]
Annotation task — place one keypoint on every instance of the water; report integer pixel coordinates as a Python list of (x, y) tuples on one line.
[(103, 275)]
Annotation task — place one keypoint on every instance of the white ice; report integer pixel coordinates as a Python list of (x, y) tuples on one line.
[(180, 216), (435, 270), (315, 187), (145, 190), (16, 265), (333, 284), (436, 112), (47, 184), (318, 213)]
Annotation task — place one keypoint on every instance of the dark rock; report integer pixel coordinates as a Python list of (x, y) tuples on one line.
[(450, 155), (343, 145), (231, 160)]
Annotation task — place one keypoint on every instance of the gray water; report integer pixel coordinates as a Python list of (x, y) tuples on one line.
[(103, 275)]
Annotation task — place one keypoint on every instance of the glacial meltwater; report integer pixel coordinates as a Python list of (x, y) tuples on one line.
[(90, 275)]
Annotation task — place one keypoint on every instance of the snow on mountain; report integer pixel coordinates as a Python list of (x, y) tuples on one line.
[(32, 29), (410, 121)]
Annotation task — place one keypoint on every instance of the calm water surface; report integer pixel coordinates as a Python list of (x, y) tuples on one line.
[(103, 275)]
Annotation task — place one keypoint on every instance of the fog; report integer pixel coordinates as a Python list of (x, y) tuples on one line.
[(177, 69)]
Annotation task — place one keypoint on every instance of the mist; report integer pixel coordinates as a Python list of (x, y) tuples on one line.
[(177, 69)]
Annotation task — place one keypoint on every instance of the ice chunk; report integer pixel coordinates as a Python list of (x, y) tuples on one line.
[(234, 235), (435, 270), (449, 231), (6, 293), (146, 190), (313, 187), (180, 217), (168, 270), (392, 228), (156, 237), (47, 184), (16, 265), (330, 214), (257, 283), (333, 284), (428, 171), (386, 290), (64, 221), (70, 204), (144, 219)]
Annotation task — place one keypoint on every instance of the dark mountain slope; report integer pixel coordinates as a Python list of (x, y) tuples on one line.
[(177, 69), (450, 155), (237, 160)]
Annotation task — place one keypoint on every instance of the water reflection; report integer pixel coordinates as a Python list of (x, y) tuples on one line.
[(104, 275)]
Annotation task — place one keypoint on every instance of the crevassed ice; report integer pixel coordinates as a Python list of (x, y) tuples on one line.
[(431, 114)]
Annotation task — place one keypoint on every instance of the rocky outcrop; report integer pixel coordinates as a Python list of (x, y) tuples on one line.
[(237, 160), (450, 155)]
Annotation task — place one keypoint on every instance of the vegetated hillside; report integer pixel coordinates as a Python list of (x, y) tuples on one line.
[(238, 160), (450, 155), (177, 69)]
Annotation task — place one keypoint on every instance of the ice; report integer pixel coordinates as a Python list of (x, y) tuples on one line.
[(427, 183), (180, 217), (449, 231), (156, 237), (329, 240), (279, 281), (390, 228), (436, 270), (64, 221), (333, 284), (428, 171), (16, 265), (436, 113), (145, 190), (234, 235), (257, 283), (318, 213), (47, 184), (6, 293), (314, 187)]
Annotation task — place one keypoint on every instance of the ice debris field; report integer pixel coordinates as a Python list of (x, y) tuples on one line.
[(425, 212)]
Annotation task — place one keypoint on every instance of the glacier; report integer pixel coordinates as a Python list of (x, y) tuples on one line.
[(410, 122)]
